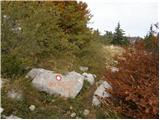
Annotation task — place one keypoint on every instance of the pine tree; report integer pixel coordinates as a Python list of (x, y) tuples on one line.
[(119, 38), (152, 38), (107, 37), (35, 31)]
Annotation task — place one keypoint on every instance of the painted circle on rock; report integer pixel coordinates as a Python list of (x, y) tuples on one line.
[(58, 77)]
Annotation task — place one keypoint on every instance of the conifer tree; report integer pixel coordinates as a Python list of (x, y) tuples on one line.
[(119, 38)]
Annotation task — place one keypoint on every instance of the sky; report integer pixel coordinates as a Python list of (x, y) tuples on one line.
[(135, 16)]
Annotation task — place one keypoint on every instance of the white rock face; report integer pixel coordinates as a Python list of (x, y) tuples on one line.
[(37, 71), (89, 77), (83, 68), (17, 95), (101, 93), (45, 80)]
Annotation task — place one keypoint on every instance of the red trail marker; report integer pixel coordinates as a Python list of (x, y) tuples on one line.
[(58, 77)]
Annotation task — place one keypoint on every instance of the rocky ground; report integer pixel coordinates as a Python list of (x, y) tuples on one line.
[(39, 94)]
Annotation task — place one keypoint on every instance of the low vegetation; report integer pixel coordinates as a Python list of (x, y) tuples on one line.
[(136, 84)]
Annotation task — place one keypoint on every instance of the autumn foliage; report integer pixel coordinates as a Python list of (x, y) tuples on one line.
[(136, 84)]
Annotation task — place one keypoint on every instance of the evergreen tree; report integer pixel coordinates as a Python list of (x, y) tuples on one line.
[(119, 38), (107, 37), (33, 31), (152, 38), (36, 32)]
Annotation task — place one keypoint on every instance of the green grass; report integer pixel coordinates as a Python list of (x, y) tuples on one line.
[(47, 106), (53, 106)]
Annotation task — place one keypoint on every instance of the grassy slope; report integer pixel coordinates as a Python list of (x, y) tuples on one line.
[(50, 106)]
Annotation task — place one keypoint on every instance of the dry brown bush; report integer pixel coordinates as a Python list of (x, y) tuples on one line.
[(136, 84)]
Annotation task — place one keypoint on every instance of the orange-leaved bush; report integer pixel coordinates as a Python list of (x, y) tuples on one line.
[(135, 86)]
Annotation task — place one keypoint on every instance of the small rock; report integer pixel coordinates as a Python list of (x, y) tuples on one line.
[(86, 112), (1, 109), (78, 118), (114, 69), (12, 117), (32, 107), (15, 95), (70, 107), (89, 77), (73, 115), (5, 16), (116, 62), (83, 68), (53, 100)]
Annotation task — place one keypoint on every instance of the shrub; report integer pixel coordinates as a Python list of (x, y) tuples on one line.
[(135, 85), (119, 38), (93, 56), (55, 36), (12, 66)]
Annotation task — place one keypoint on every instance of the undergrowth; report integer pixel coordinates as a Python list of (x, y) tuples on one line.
[(135, 85)]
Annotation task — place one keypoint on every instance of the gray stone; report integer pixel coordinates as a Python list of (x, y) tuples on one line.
[(70, 107), (32, 107), (12, 117), (69, 86), (86, 112), (73, 114), (37, 71), (101, 93), (89, 77), (78, 118), (1, 109), (83, 68), (114, 69), (53, 100)]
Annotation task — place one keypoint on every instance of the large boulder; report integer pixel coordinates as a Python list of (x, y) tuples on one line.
[(68, 86), (101, 93)]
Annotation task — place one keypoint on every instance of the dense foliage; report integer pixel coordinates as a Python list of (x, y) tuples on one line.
[(41, 34), (107, 37), (151, 40), (116, 38)]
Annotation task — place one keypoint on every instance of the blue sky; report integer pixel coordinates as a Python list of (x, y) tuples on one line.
[(135, 16)]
